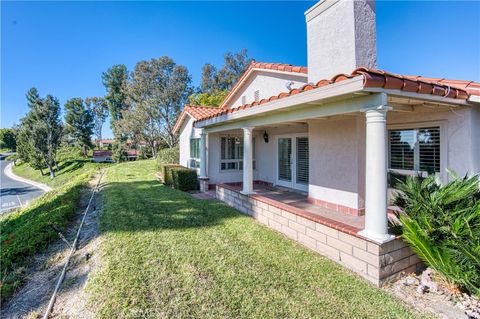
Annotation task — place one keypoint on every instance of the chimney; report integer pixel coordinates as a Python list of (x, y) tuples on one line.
[(340, 37)]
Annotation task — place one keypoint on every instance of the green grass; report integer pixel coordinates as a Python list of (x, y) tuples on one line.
[(166, 255), (28, 231), (68, 170)]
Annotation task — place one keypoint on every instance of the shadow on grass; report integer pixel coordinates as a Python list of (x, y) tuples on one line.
[(70, 166), (149, 205)]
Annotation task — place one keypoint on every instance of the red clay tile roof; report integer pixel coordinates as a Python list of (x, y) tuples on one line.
[(266, 66), (278, 67), (101, 153), (197, 112), (379, 79), (132, 153)]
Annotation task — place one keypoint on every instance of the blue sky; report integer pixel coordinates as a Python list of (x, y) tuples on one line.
[(63, 47)]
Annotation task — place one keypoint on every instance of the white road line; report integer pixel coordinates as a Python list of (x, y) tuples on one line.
[(9, 173), (19, 200)]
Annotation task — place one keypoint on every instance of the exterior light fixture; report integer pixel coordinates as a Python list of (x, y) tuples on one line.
[(265, 137)]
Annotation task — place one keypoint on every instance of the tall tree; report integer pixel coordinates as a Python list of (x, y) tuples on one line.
[(215, 84), (99, 108), (209, 83), (115, 81), (158, 90), (41, 130), (79, 123), (233, 67)]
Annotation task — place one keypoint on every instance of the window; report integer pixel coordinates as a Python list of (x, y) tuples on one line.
[(415, 149), (231, 153), (256, 95), (194, 153), (244, 100)]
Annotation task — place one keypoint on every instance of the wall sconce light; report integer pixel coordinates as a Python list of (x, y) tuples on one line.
[(265, 137)]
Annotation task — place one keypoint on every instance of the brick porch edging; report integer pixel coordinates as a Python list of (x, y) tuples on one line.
[(378, 263)]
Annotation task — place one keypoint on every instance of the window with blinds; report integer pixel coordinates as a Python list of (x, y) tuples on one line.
[(302, 160), (415, 149), (194, 161), (231, 153)]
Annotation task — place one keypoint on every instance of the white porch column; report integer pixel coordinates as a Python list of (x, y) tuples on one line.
[(203, 154), (247, 161), (376, 224)]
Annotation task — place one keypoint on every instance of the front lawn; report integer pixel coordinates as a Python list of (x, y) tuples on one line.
[(68, 170), (166, 255)]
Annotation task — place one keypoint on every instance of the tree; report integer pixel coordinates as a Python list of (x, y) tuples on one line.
[(115, 81), (215, 84), (206, 99), (233, 67), (157, 92), (8, 139), (79, 123), (99, 108), (40, 130), (209, 82)]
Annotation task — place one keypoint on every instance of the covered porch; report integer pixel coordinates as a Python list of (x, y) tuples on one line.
[(316, 150), (314, 167)]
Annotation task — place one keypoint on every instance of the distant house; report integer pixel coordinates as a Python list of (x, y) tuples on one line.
[(100, 156), (308, 150), (132, 155)]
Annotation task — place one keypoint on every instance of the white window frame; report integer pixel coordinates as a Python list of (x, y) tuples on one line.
[(442, 125), (191, 158), (237, 160)]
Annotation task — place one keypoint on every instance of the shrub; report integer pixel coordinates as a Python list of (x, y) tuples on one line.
[(179, 177), (168, 156), (29, 231), (184, 179), (442, 225)]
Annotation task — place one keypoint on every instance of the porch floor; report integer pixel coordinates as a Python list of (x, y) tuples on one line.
[(299, 201)]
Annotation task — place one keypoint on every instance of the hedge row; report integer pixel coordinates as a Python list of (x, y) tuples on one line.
[(179, 177)]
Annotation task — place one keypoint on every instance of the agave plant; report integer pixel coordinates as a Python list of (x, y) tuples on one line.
[(442, 225)]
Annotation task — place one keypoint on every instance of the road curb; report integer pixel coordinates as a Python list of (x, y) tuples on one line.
[(9, 173)]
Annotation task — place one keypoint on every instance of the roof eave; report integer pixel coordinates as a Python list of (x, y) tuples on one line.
[(349, 86), (418, 96)]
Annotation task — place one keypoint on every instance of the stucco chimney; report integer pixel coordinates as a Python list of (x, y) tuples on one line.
[(340, 37)]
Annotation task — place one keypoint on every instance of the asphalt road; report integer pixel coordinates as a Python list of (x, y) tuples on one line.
[(14, 194)]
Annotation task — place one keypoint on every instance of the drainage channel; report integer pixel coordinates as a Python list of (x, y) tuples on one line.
[(72, 251)]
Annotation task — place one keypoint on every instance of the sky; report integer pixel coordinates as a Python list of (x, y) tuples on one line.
[(62, 48)]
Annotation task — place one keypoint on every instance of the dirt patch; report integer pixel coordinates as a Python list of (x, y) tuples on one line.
[(32, 299), (437, 299)]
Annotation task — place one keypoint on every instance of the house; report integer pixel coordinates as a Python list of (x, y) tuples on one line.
[(308, 151), (132, 155), (100, 156)]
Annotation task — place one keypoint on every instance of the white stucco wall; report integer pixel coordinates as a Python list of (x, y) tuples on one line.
[(268, 84), (340, 37), (460, 135), (337, 150), (335, 159), (187, 132)]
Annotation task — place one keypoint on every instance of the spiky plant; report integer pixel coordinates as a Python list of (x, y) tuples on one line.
[(442, 225)]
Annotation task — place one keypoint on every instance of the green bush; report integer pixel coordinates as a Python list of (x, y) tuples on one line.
[(179, 177), (442, 225), (29, 231), (185, 179), (168, 156)]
